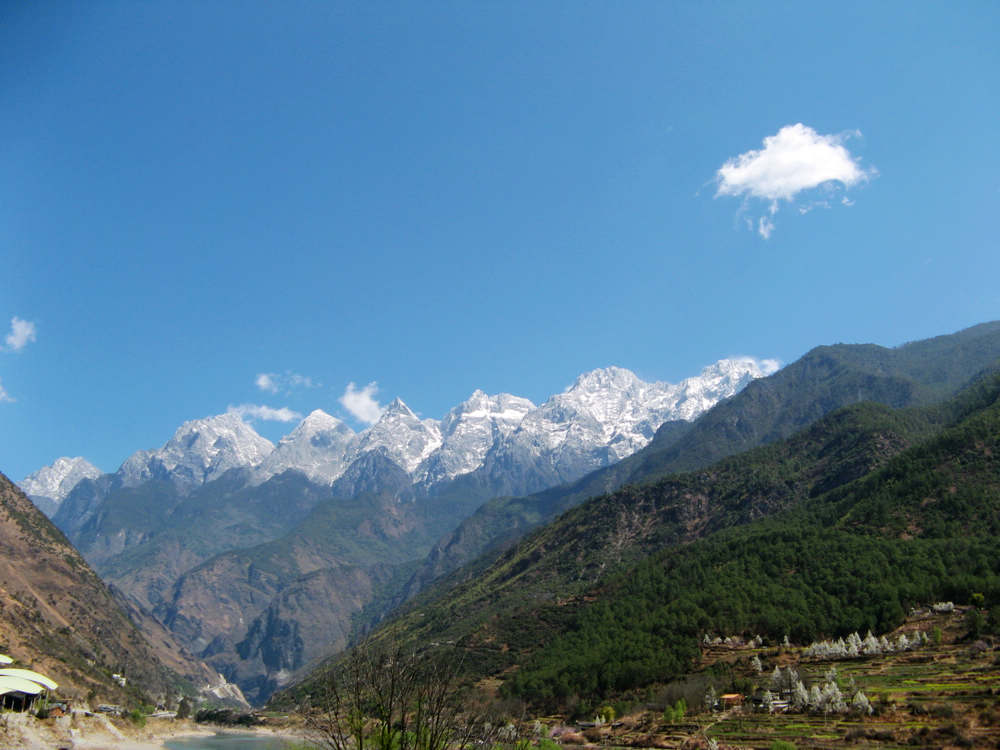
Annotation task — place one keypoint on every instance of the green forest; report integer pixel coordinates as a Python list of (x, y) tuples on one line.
[(921, 529)]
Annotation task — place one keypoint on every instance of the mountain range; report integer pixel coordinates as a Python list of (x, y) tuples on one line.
[(219, 509), (604, 416), (262, 559)]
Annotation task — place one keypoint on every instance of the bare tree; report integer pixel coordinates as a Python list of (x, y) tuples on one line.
[(388, 699)]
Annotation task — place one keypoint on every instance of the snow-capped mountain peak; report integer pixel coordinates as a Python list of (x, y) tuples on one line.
[(321, 447), (718, 381), (610, 413), (603, 378), (468, 432), (406, 439), (397, 407), (316, 421), (605, 415), (55, 481), (200, 450), (504, 409)]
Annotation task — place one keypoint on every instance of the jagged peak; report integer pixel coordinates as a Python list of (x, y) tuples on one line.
[(481, 401), (229, 424), (227, 420), (603, 377), (758, 367), (58, 479), (395, 408), (318, 421)]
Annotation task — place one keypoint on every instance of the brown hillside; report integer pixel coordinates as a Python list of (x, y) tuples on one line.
[(57, 616)]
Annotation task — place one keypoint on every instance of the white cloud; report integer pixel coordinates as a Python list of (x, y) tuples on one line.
[(769, 366), (265, 381), (266, 413), (299, 381), (4, 396), (794, 160), (362, 403), (272, 382), (22, 333)]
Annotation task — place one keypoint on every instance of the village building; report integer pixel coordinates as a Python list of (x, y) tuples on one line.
[(21, 689)]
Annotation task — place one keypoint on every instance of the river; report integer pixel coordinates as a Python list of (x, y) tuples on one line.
[(233, 742)]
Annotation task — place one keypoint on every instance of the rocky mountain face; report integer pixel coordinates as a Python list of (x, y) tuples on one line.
[(260, 614), (58, 616), (50, 485)]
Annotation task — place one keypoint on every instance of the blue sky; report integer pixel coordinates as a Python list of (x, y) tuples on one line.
[(439, 197)]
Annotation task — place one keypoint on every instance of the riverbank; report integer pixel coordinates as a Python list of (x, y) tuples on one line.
[(79, 732)]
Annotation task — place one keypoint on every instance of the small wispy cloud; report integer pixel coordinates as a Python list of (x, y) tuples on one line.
[(22, 333), (273, 382), (795, 160), (361, 402), (4, 396), (768, 366), (253, 412), (265, 381)]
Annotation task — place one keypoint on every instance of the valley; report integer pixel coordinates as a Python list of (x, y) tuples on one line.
[(499, 375), (859, 464)]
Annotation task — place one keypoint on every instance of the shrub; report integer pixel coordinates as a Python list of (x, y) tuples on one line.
[(676, 712)]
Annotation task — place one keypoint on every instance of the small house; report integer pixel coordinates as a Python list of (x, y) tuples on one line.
[(731, 700)]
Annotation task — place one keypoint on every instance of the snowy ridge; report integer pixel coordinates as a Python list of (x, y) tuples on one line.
[(611, 409), (605, 415)]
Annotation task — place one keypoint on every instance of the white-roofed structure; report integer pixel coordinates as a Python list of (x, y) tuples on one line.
[(47, 683), (19, 685), (17, 693)]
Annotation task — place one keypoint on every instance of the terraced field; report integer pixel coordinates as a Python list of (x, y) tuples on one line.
[(944, 695)]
